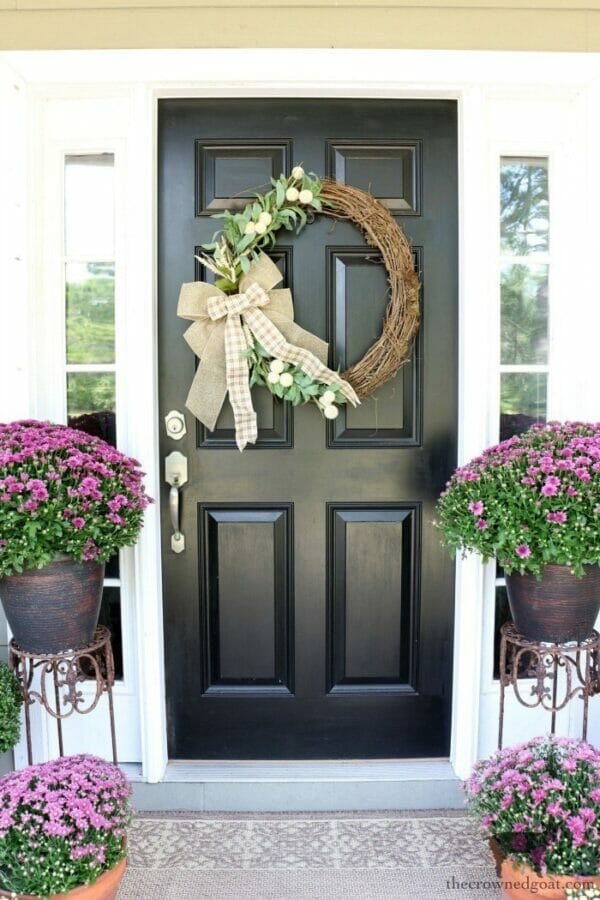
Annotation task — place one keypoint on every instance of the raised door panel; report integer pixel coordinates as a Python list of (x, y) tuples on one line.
[(246, 598)]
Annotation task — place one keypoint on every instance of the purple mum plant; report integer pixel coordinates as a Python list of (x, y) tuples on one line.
[(62, 824), (529, 501), (64, 492), (541, 801)]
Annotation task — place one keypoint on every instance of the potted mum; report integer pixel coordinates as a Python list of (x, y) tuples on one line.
[(541, 802), (10, 709), (68, 501), (533, 503), (63, 828)]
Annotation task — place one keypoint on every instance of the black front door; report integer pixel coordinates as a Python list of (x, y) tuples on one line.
[(310, 615)]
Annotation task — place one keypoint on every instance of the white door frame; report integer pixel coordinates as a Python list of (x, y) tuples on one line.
[(65, 80)]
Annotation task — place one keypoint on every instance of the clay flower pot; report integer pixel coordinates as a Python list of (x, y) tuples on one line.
[(105, 887), (54, 608), (523, 883), (557, 608)]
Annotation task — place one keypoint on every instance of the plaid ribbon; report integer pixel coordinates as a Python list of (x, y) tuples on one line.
[(230, 321)]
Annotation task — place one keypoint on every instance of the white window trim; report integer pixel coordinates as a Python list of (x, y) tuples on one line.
[(426, 74)]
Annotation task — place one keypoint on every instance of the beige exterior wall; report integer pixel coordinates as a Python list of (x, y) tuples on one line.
[(564, 25)]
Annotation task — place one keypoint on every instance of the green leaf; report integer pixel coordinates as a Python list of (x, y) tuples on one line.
[(280, 193), (245, 264), (224, 284), (245, 242)]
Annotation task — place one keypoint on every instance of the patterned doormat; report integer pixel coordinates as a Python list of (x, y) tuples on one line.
[(321, 856)]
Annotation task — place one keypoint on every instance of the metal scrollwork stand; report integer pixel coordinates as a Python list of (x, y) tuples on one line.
[(521, 658), (60, 677)]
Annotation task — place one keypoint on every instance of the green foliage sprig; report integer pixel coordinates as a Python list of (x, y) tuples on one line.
[(290, 204), (10, 709), (289, 382)]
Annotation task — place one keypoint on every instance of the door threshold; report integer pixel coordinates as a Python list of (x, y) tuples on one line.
[(301, 786), (308, 770)]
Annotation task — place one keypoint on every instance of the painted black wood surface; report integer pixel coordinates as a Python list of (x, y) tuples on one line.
[(311, 614)]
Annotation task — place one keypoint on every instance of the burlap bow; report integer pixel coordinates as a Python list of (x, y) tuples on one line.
[(222, 330)]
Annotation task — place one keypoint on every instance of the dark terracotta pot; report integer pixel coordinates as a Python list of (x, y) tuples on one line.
[(522, 883), (105, 887), (497, 854), (557, 609), (55, 608)]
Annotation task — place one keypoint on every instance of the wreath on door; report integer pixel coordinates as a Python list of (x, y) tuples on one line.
[(243, 327)]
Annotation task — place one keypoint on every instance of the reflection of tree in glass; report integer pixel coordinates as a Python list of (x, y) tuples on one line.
[(522, 401), (89, 392), (91, 316), (524, 294), (524, 207)]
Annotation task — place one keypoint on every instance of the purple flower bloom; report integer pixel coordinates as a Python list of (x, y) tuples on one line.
[(481, 524), (558, 518), (551, 486), (53, 474), (577, 827), (514, 485), (71, 810), (519, 842), (512, 793)]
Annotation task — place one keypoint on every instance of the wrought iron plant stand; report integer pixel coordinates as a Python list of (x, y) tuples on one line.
[(521, 658), (61, 675)]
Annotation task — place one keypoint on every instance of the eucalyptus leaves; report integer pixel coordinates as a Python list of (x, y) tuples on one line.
[(290, 382), (290, 204)]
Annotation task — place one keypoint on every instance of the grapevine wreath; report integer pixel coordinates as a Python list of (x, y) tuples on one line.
[(243, 328)]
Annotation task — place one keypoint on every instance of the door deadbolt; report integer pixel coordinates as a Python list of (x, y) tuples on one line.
[(175, 424)]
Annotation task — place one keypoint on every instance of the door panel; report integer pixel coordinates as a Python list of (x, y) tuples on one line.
[(311, 613)]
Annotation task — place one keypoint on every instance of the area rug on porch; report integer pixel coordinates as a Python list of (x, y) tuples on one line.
[(321, 856)]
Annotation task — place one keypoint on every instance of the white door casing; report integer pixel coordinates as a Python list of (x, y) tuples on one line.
[(518, 104)]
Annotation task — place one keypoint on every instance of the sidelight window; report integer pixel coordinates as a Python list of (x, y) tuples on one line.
[(90, 346), (524, 279)]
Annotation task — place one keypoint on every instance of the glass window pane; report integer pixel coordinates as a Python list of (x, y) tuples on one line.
[(112, 567), (91, 401), (524, 299), (502, 616), (100, 424), (524, 206), (522, 401), (89, 206), (110, 616), (90, 296)]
